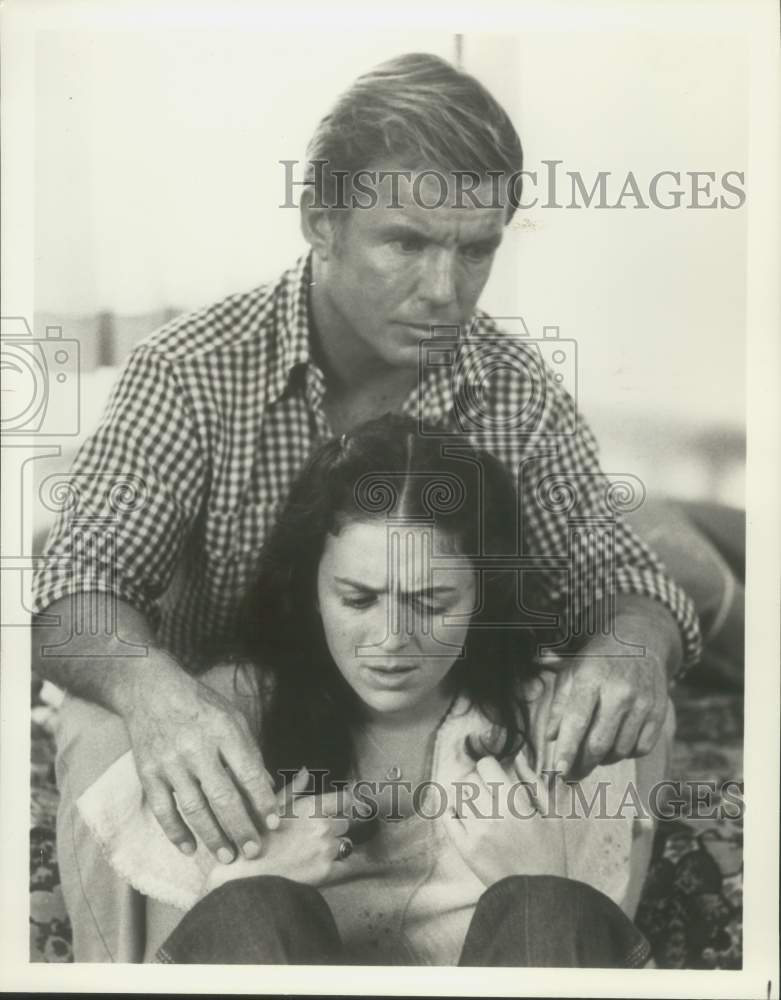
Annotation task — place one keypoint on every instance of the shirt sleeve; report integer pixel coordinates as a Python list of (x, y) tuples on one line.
[(572, 523), (132, 494)]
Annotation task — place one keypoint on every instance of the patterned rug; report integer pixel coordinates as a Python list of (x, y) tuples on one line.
[(692, 905), (691, 909)]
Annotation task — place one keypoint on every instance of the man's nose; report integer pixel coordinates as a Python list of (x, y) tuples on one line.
[(438, 281)]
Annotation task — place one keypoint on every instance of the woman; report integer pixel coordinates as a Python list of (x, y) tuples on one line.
[(383, 646)]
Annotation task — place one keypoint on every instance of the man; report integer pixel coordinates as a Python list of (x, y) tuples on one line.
[(214, 415)]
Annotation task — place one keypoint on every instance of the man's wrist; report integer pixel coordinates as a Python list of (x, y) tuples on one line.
[(139, 678), (640, 627), (643, 621)]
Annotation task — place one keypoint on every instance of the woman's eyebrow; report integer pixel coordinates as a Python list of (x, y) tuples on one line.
[(433, 589), (436, 589), (357, 584)]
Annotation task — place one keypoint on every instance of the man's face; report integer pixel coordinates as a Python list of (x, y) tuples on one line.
[(395, 272)]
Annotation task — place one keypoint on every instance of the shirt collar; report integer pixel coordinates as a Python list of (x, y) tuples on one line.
[(293, 331), (432, 398)]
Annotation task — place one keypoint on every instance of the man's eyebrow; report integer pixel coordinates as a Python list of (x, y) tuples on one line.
[(484, 242), (395, 229)]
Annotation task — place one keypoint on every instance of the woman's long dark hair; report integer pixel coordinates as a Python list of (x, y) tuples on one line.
[(385, 468)]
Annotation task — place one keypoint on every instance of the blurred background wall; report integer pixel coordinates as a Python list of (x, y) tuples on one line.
[(158, 188)]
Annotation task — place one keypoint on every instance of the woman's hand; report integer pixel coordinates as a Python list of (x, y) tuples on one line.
[(305, 845), (510, 827)]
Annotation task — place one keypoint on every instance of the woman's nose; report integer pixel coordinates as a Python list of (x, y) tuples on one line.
[(399, 625), (394, 627)]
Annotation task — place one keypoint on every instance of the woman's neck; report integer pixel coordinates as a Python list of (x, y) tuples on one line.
[(424, 716)]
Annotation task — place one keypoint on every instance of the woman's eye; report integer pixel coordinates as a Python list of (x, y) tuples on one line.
[(359, 602), (427, 607)]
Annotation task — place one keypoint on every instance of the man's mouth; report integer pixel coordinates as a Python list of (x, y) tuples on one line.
[(425, 327)]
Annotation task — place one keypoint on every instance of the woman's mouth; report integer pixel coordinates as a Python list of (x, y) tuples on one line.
[(395, 676)]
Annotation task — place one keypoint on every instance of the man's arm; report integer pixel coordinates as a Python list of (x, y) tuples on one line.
[(183, 734), (606, 586), (616, 704), (136, 489), (572, 510), (570, 513), (99, 668)]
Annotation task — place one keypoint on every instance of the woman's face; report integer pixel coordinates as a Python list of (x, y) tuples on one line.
[(394, 623)]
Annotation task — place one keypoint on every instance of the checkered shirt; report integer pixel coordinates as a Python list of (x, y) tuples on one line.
[(213, 416)]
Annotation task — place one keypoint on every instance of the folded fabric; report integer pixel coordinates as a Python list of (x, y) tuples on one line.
[(118, 815)]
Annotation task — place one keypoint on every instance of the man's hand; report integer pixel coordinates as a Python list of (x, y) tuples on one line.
[(605, 709), (198, 762), (305, 847), (609, 706)]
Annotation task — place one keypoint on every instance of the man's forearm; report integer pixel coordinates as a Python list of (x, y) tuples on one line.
[(635, 620), (102, 668), (190, 744)]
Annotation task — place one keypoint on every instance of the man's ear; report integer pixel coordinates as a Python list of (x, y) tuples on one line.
[(317, 225)]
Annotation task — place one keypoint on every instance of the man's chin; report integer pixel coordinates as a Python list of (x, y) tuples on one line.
[(403, 354)]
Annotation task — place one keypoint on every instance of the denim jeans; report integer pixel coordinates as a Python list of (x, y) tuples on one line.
[(523, 920)]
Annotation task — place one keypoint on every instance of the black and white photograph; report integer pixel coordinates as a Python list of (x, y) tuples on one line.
[(390, 553)]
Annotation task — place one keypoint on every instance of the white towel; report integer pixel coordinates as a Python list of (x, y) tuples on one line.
[(118, 815)]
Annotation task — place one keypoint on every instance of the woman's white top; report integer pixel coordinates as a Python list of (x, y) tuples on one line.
[(406, 896)]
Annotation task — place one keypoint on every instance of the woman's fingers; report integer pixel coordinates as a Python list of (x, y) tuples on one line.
[(479, 796), (490, 770), (296, 786), (335, 803), (532, 782), (522, 768), (336, 806), (457, 830), (340, 826)]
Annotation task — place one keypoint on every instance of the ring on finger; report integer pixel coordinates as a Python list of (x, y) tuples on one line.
[(345, 849)]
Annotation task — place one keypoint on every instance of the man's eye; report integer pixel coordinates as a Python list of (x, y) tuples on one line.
[(478, 252), (410, 244), (359, 602)]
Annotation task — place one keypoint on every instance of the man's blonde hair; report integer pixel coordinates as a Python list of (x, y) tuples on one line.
[(419, 109)]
